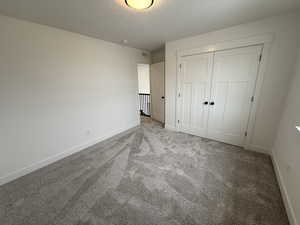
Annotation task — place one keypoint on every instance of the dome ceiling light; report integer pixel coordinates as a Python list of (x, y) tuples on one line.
[(139, 4)]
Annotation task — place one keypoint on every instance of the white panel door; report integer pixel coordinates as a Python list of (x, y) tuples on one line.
[(195, 84), (233, 85), (157, 86)]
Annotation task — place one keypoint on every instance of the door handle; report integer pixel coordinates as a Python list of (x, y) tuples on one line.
[(211, 103), (162, 97), (205, 103)]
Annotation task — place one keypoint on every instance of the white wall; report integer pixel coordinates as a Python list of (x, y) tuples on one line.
[(158, 56), (286, 150), (282, 58), (144, 78), (60, 92)]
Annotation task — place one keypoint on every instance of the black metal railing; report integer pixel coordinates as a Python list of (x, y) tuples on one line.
[(144, 104)]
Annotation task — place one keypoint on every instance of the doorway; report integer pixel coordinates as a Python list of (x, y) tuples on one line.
[(151, 83), (144, 89)]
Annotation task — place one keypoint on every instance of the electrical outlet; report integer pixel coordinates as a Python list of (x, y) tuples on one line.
[(288, 168)]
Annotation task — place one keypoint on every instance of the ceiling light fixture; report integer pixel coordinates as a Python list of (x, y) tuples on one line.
[(139, 4)]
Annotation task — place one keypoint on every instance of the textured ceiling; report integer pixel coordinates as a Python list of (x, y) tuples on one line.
[(167, 20)]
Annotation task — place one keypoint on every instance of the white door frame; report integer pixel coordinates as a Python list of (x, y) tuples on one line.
[(265, 40)]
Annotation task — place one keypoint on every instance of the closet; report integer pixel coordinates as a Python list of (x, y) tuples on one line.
[(216, 91)]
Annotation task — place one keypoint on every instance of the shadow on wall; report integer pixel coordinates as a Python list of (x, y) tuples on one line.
[(158, 55)]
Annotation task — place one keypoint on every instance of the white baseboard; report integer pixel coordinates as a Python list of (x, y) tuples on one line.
[(286, 199), (257, 148), (35, 166), (170, 127)]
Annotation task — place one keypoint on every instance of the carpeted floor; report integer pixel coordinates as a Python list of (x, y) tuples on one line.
[(149, 176)]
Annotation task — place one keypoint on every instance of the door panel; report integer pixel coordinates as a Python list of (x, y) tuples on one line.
[(195, 85), (233, 84), (157, 86)]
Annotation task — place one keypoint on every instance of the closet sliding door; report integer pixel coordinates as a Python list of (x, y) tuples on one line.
[(195, 87), (233, 85)]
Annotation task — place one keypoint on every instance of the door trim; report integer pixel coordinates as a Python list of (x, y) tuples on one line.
[(266, 41)]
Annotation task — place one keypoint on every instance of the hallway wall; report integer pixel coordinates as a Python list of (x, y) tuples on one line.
[(144, 78), (158, 55)]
